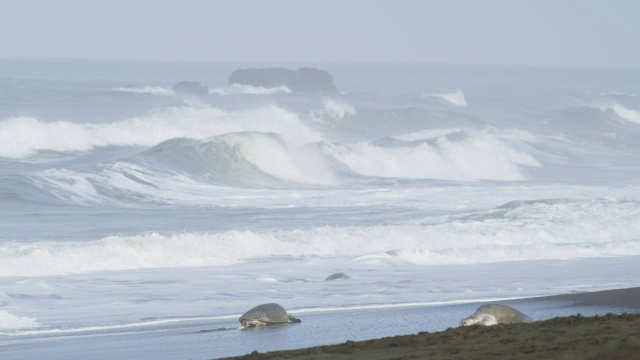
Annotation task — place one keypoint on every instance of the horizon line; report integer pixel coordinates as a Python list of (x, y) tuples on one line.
[(307, 62)]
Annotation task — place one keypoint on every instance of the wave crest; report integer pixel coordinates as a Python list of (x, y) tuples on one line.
[(23, 136), (521, 231), (240, 89), (152, 90), (624, 112), (455, 98), (185, 170)]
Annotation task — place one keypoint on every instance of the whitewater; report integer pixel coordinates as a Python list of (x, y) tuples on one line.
[(139, 212)]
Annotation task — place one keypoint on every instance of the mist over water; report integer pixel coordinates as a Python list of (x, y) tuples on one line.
[(129, 207)]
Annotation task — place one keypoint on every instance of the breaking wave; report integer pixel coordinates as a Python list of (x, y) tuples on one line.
[(190, 170), (455, 98), (21, 137), (246, 158), (453, 156), (239, 89), (187, 170), (624, 113), (535, 230)]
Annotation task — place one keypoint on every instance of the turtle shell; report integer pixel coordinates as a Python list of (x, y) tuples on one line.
[(503, 314), (271, 313)]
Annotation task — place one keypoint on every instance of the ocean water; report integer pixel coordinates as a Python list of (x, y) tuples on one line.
[(141, 213)]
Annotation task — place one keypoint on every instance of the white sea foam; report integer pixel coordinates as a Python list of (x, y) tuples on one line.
[(552, 229), (455, 98), (476, 156), (240, 89), (9, 321), (152, 90), (624, 112), (24, 136)]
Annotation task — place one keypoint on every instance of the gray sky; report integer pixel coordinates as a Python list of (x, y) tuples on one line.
[(543, 32)]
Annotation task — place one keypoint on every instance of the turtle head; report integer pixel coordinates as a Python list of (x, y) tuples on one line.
[(294, 320), (247, 324), (468, 321)]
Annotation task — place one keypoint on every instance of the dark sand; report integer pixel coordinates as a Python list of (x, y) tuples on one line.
[(574, 337)]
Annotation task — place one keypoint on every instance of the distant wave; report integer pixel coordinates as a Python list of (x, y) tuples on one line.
[(22, 137), (455, 98), (9, 321), (153, 90), (526, 231), (618, 93), (237, 89)]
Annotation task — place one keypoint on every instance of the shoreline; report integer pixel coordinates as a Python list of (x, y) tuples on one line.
[(601, 336), (619, 298)]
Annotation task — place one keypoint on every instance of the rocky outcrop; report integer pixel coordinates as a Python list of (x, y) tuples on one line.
[(192, 88), (301, 80)]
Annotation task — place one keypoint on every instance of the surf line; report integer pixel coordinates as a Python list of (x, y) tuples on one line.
[(405, 305), (106, 328)]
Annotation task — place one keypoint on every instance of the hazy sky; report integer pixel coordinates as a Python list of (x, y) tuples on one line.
[(541, 32)]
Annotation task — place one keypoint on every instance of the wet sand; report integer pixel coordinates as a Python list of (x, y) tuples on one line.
[(607, 336), (623, 298)]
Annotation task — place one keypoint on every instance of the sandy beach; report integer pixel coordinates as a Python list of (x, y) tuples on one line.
[(606, 336)]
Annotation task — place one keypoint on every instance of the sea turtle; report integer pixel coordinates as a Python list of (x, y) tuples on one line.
[(337, 276), (493, 314), (266, 314)]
